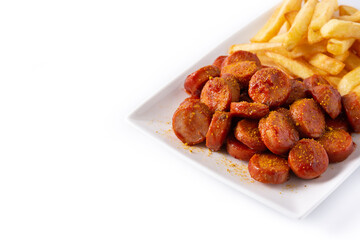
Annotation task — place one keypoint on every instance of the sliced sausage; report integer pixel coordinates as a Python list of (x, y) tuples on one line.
[(338, 145), (308, 159), (269, 168), (249, 110), (313, 81), (247, 132), (240, 56), (308, 118), (196, 81), (278, 133), (298, 91), (242, 71), (351, 103), (269, 86), (238, 150), (218, 61), (338, 123), (191, 121), (218, 93), (329, 99), (218, 130)]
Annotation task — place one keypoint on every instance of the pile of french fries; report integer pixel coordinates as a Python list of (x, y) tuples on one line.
[(314, 37)]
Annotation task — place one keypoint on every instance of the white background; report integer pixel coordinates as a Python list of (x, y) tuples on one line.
[(72, 168)]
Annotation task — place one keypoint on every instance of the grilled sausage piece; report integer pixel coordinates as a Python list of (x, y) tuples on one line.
[(240, 56), (218, 130), (270, 86), (278, 132), (247, 132), (196, 81), (218, 93), (308, 159), (329, 99), (338, 145), (191, 121), (242, 71), (248, 110), (351, 103), (269, 168), (338, 123), (218, 61), (308, 118), (298, 91), (238, 150), (313, 81)]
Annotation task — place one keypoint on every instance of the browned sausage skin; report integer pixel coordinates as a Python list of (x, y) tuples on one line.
[(338, 145), (329, 99), (351, 103), (249, 110), (338, 123), (242, 71), (313, 81), (218, 61), (240, 56), (298, 91), (247, 132), (196, 81), (191, 121), (269, 168), (278, 133), (218, 93), (238, 150), (308, 118), (308, 159), (218, 130), (269, 86)]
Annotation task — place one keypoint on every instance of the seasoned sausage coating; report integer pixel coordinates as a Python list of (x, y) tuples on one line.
[(238, 150), (308, 159), (278, 133), (338, 123), (329, 99), (218, 130), (269, 168), (308, 118), (338, 145), (269, 86), (298, 91), (218, 61), (247, 132), (191, 121), (218, 93), (242, 71), (249, 110), (240, 56), (313, 81), (351, 103), (196, 81)]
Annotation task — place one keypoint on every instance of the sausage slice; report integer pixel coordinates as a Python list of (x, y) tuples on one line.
[(218, 130), (249, 110), (269, 168), (313, 81), (191, 121), (218, 61), (338, 123), (278, 133), (196, 81), (218, 93), (242, 71), (351, 103), (329, 99), (269, 86), (238, 150), (298, 91), (338, 145), (308, 118), (308, 159), (240, 56), (247, 132)]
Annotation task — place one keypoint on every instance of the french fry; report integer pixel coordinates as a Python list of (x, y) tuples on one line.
[(324, 10), (340, 29), (253, 47), (346, 10), (266, 61), (339, 46), (273, 25), (349, 81), (352, 62), (290, 17), (314, 36), (300, 25), (306, 50), (357, 90), (354, 17), (333, 80), (278, 38), (326, 63), (342, 57), (295, 67), (313, 68), (356, 47)]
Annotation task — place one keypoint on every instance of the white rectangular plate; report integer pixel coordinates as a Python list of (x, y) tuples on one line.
[(295, 198)]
